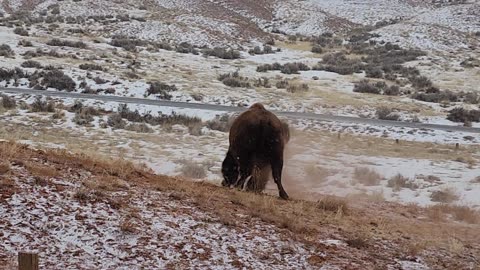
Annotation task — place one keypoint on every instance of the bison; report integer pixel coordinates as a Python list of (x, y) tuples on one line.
[(257, 139)]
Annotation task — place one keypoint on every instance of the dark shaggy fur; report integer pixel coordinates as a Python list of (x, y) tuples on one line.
[(257, 140)]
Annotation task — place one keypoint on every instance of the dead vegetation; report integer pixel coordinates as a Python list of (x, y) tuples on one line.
[(445, 195), (358, 225), (367, 176)]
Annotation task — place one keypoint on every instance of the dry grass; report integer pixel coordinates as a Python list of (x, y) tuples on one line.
[(193, 170), (42, 171), (333, 204), (305, 220), (4, 168), (399, 181), (446, 195), (367, 176), (462, 213)]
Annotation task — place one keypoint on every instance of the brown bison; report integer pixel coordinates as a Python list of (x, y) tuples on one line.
[(257, 140)]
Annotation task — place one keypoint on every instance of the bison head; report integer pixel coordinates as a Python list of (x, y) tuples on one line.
[(230, 170)]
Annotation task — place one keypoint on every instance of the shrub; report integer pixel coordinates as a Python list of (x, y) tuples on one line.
[(116, 121), (222, 53), (66, 43), (436, 97), (161, 90), (340, 64), (297, 88), (373, 72), (89, 66), (25, 43), (293, 68), (6, 51), (84, 117), (11, 74), (186, 47), (262, 82), (367, 177), (40, 105), (385, 113), (393, 90), (21, 31), (317, 49), (193, 170), (364, 86), (234, 80), (399, 181), (31, 64), (127, 43), (99, 80), (420, 82), (282, 84), (446, 195), (8, 102), (220, 123), (462, 115), (53, 79), (140, 128)]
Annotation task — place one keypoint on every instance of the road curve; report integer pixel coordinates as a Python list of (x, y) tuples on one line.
[(222, 108)]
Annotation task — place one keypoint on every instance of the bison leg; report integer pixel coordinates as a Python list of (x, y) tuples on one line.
[(277, 166), (246, 167)]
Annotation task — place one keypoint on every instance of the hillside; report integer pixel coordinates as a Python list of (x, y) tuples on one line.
[(88, 213)]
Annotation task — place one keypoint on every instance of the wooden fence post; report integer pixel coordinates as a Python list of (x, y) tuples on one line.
[(27, 261)]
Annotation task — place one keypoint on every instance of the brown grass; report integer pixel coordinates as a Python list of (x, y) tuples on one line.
[(367, 176), (446, 195), (41, 170), (305, 220), (462, 213), (399, 181), (4, 168)]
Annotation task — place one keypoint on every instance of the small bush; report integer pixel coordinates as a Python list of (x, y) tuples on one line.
[(84, 116), (25, 43), (89, 66), (6, 51), (364, 86), (220, 123), (262, 82), (116, 121), (140, 128), (40, 105), (399, 181), (127, 43), (193, 170), (463, 115), (52, 79), (161, 90), (234, 80), (446, 195), (436, 96), (420, 82), (8, 102), (293, 68), (295, 88), (67, 43), (222, 53), (393, 90), (317, 49), (373, 73), (186, 47), (282, 84), (339, 63), (31, 64), (385, 113), (367, 177), (21, 31)]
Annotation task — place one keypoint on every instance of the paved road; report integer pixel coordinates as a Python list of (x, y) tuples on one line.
[(222, 108)]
